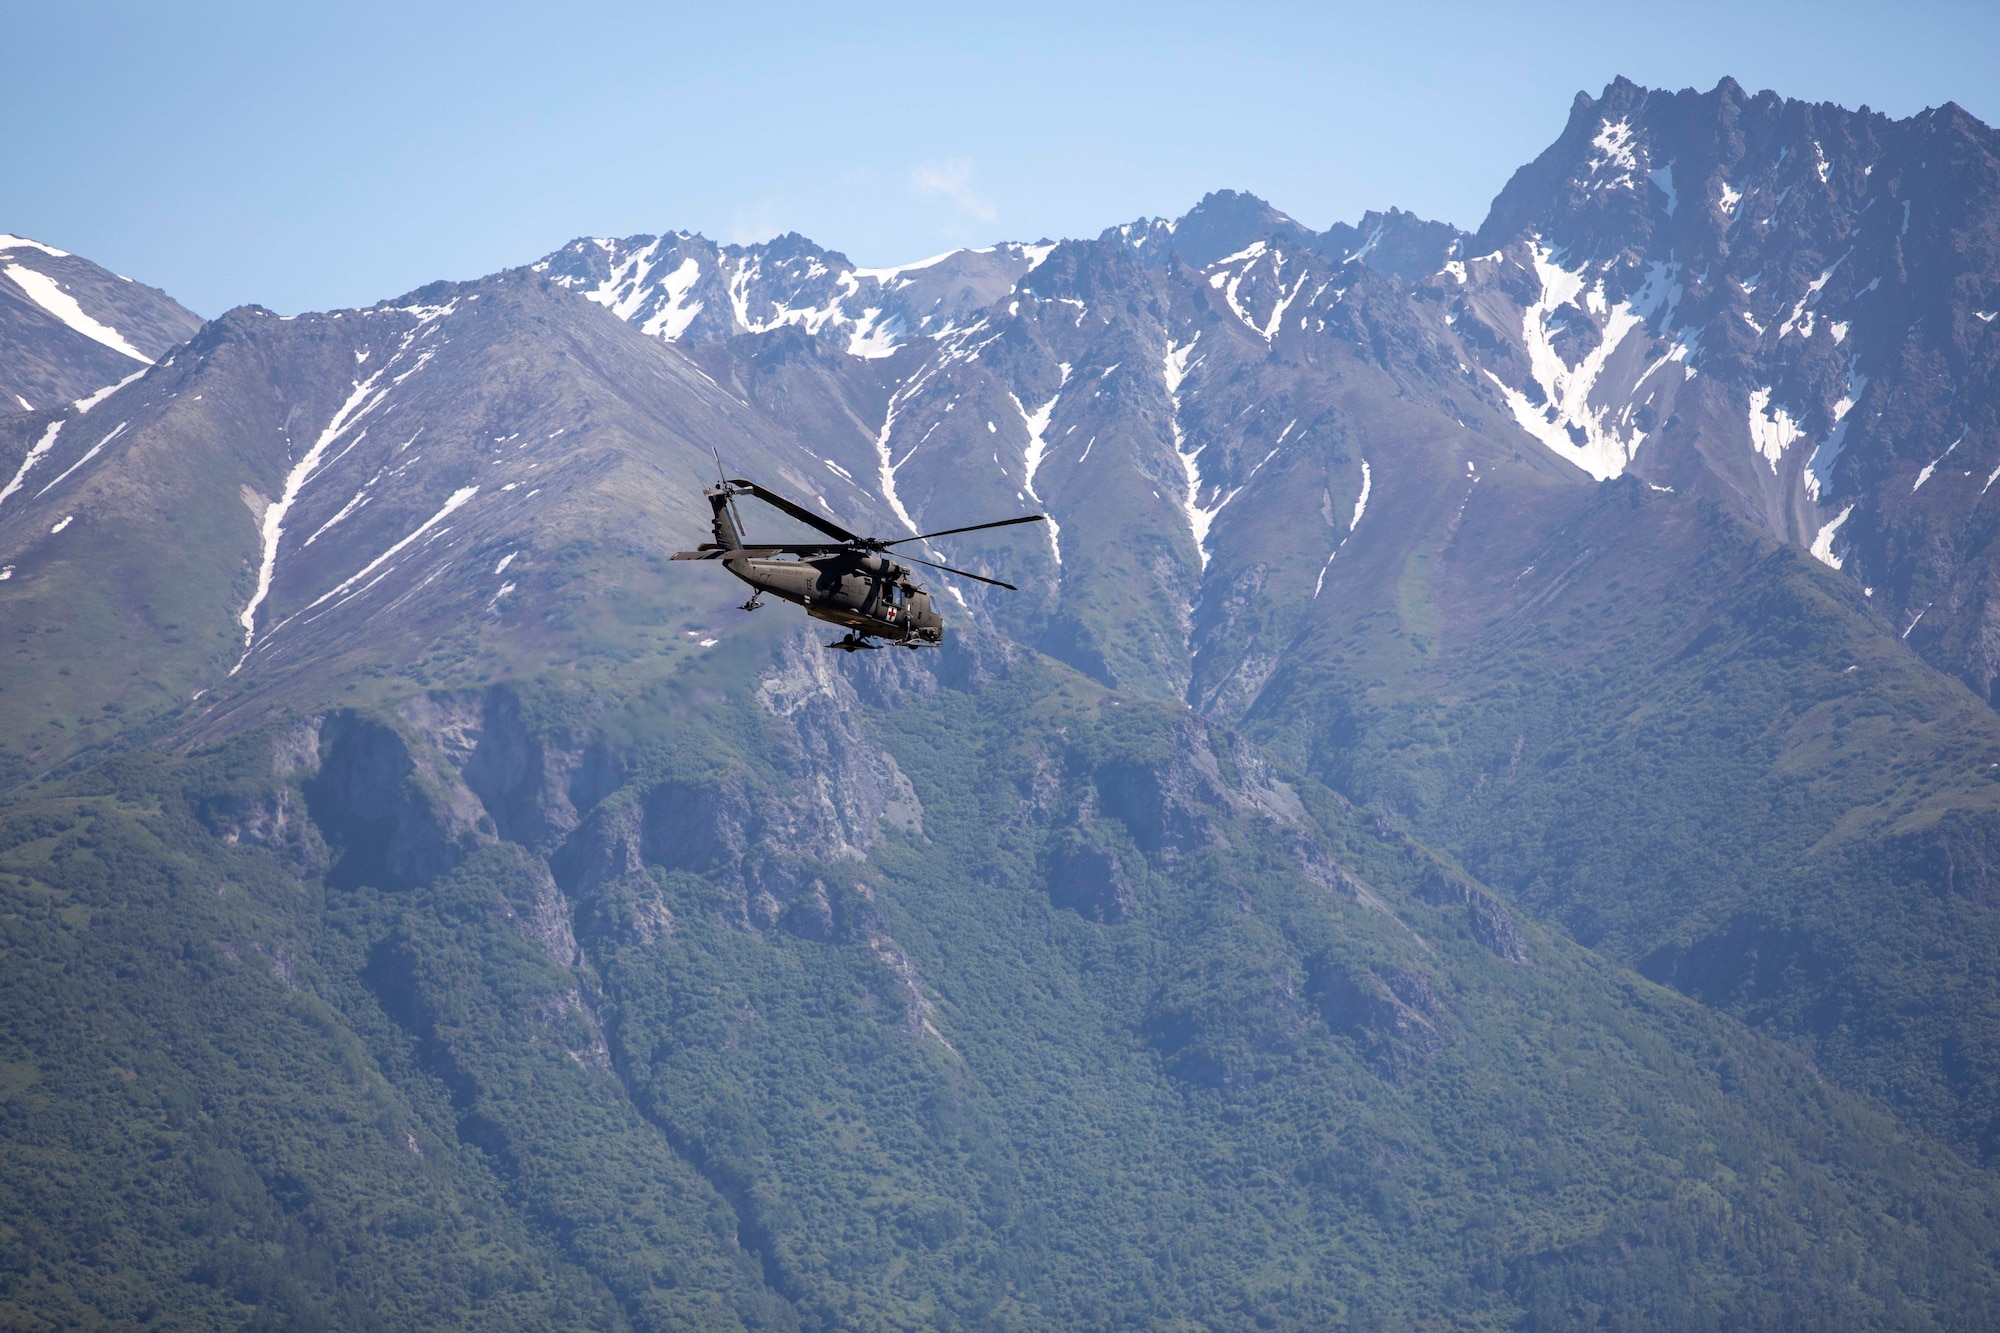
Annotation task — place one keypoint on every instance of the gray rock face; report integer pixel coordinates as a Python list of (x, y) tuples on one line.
[(267, 811), (1410, 247), (69, 328), (394, 814), (1490, 922), (840, 791), (1166, 802), (845, 786), (531, 785), (1387, 1016), (1090, 881)]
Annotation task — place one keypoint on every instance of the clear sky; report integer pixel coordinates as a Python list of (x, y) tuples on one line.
[(310, 156)]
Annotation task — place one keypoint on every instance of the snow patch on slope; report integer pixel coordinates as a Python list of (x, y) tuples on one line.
[(1932, 466), (886, 275), (670, 321), (1360, 508), (458, 499), (35, 454), (1616, 160), (83, 405), (1037, 423), (1599, 439), (1772, 431), (116, 431), (1174, 368), (1663, 177), (10, 242), (1230, 282), (1822, 544), (1811, 297), (1819, 468), (44, 292), (358, 404)]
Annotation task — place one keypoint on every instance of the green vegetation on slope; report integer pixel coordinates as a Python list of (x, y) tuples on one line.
[(1128, 1031), (198, 1131), (1701, 754)]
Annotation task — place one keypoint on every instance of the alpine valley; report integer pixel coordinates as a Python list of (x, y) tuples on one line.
[(1483, 813)]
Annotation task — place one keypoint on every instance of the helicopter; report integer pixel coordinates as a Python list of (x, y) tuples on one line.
[(848, 581)]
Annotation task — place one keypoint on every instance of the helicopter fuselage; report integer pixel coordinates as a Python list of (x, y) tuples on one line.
[(868, 594)]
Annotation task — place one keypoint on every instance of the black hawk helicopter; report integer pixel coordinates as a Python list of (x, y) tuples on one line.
[(848, 581)]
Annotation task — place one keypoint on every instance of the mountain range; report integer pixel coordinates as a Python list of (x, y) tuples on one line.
[(1481, 813)]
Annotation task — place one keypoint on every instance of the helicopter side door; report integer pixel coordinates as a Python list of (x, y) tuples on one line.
[(889, 602)]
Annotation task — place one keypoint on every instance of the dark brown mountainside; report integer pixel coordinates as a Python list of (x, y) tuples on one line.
[(69, 328)]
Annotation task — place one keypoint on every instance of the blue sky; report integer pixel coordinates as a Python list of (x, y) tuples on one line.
[(314, 156)]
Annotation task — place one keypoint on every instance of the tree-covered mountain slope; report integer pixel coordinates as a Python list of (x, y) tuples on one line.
[(1697, 750), (893, 1001)]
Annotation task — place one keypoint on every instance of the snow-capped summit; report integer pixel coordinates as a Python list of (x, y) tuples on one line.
[(1787, 306), (682, 285)]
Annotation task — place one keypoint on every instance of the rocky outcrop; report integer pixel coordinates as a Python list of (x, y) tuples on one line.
[(771, 843), (1387, 1014), (265, 810), (844, 785), (534, 784), (1089, 880), (1171, 804), (394, 812), (1488, 919), (546, 923)]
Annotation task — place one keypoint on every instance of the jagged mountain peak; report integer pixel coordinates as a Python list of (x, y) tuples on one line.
[(683, 286), (1395, 242), (1221, 223), (1629, 159), (1225, 221), (1788, 306)]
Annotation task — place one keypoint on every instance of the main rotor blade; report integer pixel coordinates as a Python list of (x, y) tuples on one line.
[(976, 527), (799, 512), (963, 573)]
